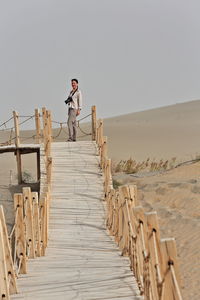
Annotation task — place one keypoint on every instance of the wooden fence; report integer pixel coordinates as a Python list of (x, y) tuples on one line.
[(29, 235), (153, 260)]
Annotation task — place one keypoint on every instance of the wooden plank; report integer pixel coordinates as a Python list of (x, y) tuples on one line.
[(156, 262), (4, 287), (94, 122), (16, 124), (36, 223), (20, 240), (37, 125), (81, 261), (19, 166), (44, 121), (43, 220), (30, 236), (8, 256), (169, 253)]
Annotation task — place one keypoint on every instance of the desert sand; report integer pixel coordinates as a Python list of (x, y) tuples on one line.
[(166, 132), (175, 195)]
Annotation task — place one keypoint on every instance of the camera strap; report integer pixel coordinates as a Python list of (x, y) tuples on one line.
[(73, 92)]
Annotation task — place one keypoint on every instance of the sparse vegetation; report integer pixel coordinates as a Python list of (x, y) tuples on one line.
[(116, 184), (131, 166), (27, 177)]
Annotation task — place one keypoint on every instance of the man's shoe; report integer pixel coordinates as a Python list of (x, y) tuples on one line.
[(69, 140)]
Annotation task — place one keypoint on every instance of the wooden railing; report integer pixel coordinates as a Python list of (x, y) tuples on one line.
[(153, 260), (29, 235)]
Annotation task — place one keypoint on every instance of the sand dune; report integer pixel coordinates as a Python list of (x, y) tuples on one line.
[(172, 131)]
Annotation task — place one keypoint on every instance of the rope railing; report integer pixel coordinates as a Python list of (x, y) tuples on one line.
[(4, 124), (28, 237), (14, 135), (153, 260)]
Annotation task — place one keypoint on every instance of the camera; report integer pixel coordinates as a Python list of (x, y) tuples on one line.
[(68, 100)]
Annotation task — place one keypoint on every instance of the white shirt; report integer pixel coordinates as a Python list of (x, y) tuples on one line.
[(77, 100)]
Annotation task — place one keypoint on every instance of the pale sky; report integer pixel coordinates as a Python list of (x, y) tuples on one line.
[(129, 55)]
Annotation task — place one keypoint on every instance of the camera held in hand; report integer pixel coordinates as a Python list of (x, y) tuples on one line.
[(68, 100)]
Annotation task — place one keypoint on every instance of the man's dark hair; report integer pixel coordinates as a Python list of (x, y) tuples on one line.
[(74, 79)]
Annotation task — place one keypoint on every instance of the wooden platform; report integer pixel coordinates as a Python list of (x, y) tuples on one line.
[(82, 261), (23, 148)]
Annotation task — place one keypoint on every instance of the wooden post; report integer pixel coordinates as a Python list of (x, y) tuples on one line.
[(16, 123), (101, 134), (49, 169), (103, 152), (94, 122), (36, 223), (44, 119), (19, 166), (43, 218), (48, 131), (171, 285), (8, 255), (17, 144), (142, 251), (38, 165), (124, 195), (20, 239), (37, 125), (47, 213), (156, 263), (4, 288), (107, 177), (30, 237), (133, 194), (50, 125), (121, 220)]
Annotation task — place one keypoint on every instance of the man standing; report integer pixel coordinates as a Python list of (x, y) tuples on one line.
[(74, 102)]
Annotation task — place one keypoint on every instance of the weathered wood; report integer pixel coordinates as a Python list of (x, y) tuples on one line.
[(8, 256), (80, 255), (4, 287), (36, 223), (49, 133), (49, 169), (104, 152), (38, 165), (37, 125), (133, 194), (44, 121), (17, 144), (30, 236), (19, 166), (94, 123), (169, 254), (20, 240), (156, 263), (16, 124), (43, 218)]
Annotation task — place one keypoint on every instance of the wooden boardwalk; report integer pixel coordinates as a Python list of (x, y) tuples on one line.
[(82, 261)]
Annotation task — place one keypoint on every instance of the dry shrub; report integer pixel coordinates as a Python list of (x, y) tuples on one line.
[(131, 166)]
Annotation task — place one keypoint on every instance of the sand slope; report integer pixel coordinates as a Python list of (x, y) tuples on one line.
[(172, 131)]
